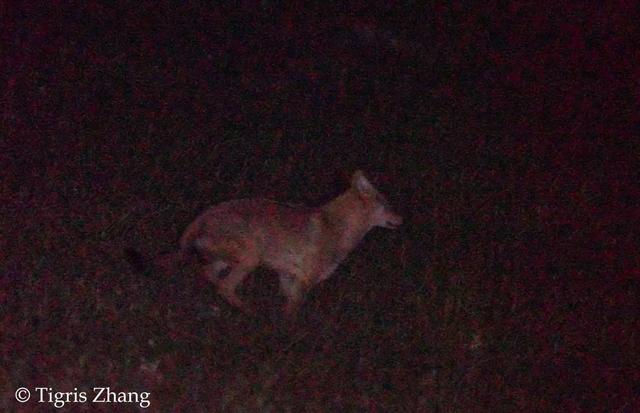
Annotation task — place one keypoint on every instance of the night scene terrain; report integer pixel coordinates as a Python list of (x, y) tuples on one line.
[(504, 133)]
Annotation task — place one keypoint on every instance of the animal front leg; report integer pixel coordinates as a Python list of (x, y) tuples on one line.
[(295, 291)]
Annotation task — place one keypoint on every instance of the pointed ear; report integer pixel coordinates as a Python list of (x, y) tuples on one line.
[(361, 184)]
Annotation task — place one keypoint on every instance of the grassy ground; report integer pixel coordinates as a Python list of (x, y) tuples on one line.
[(499, 134)]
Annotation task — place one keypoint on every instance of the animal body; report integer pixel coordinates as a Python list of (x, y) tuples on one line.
[(303, 245)]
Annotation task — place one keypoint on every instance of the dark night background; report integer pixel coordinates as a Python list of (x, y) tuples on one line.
[(503, 132)]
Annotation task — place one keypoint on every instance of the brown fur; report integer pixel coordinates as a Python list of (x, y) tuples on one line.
[(303, 245)]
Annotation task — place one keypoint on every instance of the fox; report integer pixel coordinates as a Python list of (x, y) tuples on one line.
[(302, 245)]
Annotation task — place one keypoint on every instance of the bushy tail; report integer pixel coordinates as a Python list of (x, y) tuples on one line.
[(138, 262), (164, 262)]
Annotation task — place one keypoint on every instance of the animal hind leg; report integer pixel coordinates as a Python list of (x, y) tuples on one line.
[(227, 285), (213, 272)]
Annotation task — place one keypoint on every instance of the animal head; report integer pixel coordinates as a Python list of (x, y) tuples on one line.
[(381, 213)]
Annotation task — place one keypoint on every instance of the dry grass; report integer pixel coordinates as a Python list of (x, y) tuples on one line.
[(513, 285)]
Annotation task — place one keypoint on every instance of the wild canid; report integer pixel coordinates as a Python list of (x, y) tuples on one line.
[(302, 245)]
